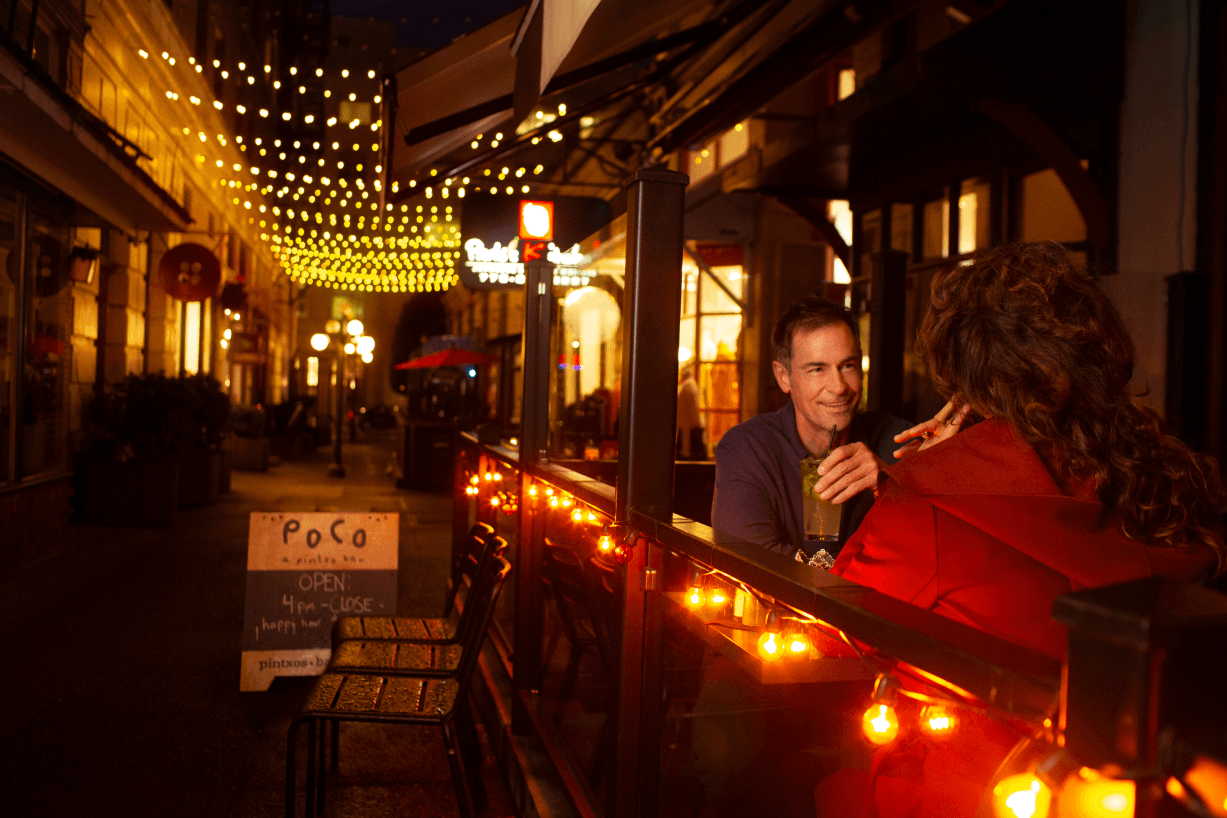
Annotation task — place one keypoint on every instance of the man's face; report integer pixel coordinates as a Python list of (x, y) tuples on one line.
[(824, 379)]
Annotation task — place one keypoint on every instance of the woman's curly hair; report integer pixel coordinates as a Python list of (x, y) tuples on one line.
[(1020, 334)]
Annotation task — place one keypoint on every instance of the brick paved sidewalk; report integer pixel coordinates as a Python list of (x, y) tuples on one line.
[(119, 684)]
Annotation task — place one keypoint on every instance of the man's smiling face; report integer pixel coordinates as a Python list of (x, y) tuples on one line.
[(824, 379)]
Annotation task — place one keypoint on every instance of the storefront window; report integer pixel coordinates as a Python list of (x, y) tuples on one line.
[(901, 227), (1047, 211), (8, 327), (48, 322), (710, 334), (974, 204), (937, 228)]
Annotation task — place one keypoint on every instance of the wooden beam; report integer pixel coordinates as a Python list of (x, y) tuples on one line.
[(817, 216), (1049, 146)]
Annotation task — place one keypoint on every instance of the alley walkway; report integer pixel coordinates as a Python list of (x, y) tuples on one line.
[(119, 682)]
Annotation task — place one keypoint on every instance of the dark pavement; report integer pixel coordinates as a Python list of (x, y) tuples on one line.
[(119, 683)]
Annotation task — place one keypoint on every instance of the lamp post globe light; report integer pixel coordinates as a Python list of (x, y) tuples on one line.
[(348, 340)]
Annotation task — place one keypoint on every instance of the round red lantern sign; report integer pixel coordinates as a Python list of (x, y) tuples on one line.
[(190, 272)]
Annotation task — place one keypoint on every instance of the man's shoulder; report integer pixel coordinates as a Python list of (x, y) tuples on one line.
[(761, 431), (764, 426)]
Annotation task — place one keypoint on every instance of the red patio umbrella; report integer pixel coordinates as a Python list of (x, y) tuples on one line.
[(451, 356)]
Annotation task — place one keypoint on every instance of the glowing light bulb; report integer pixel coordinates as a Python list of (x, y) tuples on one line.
[(494, 501), (798, 645), (718, 596), (695, 596), (769, 645), (880, 724), (577, 516), (1088, 794), (938, 722), (1021, 796), (553, 502), (532, 491), (605, 543)]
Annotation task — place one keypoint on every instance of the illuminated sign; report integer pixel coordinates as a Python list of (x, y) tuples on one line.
[(502, 264), (501, 233), (537, 221)]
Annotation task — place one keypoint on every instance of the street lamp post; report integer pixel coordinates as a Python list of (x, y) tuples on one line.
[(348, 339)]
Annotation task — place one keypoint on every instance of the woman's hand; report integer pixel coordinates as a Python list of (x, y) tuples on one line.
[(946, 423)]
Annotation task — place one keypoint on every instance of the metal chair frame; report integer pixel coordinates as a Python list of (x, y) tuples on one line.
[(481, 544), (414, 700), (413, 657)]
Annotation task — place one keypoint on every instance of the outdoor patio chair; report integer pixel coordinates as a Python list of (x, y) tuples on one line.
[(414, 700), (414, 656), (480, 543)]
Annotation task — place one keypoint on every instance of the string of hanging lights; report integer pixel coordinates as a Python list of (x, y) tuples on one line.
[(325, 219)]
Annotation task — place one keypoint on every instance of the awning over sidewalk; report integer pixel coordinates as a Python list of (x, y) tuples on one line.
[(52, 137), (460, 90), (477, 84)]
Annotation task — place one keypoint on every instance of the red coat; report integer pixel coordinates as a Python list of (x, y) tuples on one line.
[(977, 530)]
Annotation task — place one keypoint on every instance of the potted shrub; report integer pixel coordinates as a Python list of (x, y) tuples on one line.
[(200, 426), (130, 476), (248, 445), (154, 446)]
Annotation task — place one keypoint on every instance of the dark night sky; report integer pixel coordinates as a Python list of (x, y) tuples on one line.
[(427, 23)]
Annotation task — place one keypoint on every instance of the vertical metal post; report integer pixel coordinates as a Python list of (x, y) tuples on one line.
[(650, 314), (337, 469), (888, 304), (534, 441), (538, 312), (530, 607)]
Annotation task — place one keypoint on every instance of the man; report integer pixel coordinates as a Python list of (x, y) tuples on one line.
[(690, 442), (817, 363)]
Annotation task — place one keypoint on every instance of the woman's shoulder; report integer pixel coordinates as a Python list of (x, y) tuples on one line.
[(988, 458)]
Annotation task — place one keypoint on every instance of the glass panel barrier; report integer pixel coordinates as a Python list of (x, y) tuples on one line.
[(776, 679)]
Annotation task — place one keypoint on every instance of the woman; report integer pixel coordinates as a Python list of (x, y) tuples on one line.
[(1065, 484)]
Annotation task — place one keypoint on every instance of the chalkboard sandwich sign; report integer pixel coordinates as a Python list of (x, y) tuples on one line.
[(303, 572)]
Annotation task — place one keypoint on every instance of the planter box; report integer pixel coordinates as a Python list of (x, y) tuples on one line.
[(132, 494), (200, 477), (249, 453)]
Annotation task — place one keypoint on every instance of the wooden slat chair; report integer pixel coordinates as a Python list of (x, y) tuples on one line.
[(480, 544), (416, 657), (415, 700)]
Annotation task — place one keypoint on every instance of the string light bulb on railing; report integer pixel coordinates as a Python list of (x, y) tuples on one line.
[(1090, 794), (797, 644), (1021, 796), (605, 543), (771, 642), (938, 721), (880, 722)]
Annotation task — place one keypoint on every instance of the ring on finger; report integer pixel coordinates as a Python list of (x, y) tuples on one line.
[(926, 434)]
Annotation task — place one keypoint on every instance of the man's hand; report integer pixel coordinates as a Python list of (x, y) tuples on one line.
[(946, 423), (846, 472)]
